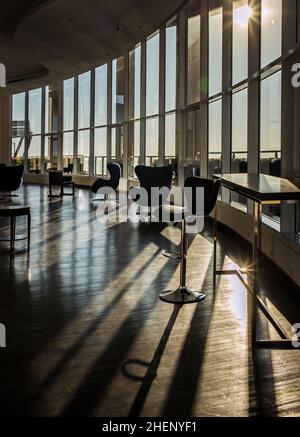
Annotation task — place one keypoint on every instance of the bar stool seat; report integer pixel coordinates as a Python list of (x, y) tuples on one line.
[(12, 212)]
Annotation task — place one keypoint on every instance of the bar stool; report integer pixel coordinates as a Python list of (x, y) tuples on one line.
[(13, 212), (183, 294)]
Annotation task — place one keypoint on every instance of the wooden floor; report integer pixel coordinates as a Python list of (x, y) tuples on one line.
[(88, 336)]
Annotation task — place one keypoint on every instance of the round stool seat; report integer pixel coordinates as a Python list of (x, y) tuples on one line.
[(14, 211)]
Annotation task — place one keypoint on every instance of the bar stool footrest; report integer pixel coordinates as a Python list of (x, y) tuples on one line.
[(172, 255)]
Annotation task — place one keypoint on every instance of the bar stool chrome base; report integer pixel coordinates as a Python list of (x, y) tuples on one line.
[(172, 255), (183, 295)]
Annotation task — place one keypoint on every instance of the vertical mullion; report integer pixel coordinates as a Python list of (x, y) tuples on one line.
[(27, 144), (43, 128), (181, 94), (204, 36), (92, 123), (109, 108), (254, 50), (126, 117), (162, 95), (226, 100), (143, 104), (60, 123), (76, 162), (226, 81)]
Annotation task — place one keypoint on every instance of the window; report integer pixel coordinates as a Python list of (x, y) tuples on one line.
[(34, 154), (135, 83), (215, 51), (101, 95), (271, 31), (134, 146), (84, 150), (215, 138), (51, 109), (84, 100), (239, 131), (270, 125), (35, 128), (114, 143), (152, 141), (241, 15), (35, 111), (152, 75), (100, 151), (239, 158), (18, 128), (170, 138), (171, 66), (193, 53), (68, 149), (118, 90), (68, 122)]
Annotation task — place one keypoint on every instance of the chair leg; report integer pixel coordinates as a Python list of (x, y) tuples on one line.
[(12, 233), (28, 230), (182, 295)]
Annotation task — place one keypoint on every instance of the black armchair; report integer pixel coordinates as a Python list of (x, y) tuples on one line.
[(11, 178), (150, 177), (56, 178), (114, 170)]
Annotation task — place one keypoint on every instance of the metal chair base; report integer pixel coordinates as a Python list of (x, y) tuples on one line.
[(183, 295)]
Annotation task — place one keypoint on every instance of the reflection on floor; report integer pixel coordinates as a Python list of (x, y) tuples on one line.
[(87, 334)]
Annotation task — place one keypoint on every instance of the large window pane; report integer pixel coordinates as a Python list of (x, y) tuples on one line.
[(270, 125), (241, 16), (118, 90), (35, 111), (152, 141), (134, 146), (215, 138), (100, 150), (152, 75), (215, 51), (239, 131), (34, 155), (101, 95), (69, 104), (171, 66), (135, 83), (18, 107), (271, 31), (18, 127), (170, 138), (84, 150), (51, 109), (84, 100), (68, 145), (193, 53)]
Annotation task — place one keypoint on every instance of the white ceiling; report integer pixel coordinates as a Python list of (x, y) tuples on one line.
[(45, 41)]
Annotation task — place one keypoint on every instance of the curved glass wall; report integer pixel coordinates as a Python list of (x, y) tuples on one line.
[(181, 95)]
